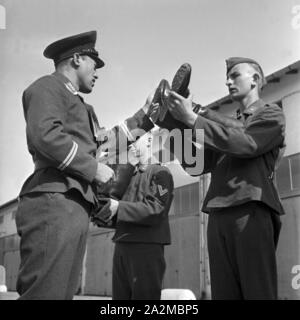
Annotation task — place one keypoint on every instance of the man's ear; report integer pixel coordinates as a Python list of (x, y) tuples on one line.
[(76, 58), (256, 78)]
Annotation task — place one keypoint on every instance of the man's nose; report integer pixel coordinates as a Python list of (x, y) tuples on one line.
[(228, 82), (96, 74)]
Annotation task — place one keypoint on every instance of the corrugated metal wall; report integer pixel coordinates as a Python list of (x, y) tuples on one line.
[(2, 251), (98, 263), (288, 252), (182, 258), (10, 259), (183, 255), (186, 257)]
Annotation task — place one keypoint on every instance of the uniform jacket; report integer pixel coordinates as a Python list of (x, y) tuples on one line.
[(62, 133), (242, 160), (142, 215)]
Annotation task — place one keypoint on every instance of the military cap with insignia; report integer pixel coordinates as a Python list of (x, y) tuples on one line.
[(83, 44), (233, 61)]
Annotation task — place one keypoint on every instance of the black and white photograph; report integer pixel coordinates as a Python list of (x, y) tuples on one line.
[(150, 150)]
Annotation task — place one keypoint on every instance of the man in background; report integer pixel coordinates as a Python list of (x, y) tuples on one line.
[(142, 227)]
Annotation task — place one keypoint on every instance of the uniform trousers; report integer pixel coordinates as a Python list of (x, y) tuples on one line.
[(138, 270), (53, 228), (241, 246)]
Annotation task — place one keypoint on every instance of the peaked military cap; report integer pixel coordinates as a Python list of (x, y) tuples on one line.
[(83, 44), (233, 61)]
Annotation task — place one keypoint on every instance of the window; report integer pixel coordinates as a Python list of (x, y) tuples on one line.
[(288, 175)]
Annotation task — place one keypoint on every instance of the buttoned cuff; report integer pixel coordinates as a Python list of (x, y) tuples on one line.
[(140, 120)]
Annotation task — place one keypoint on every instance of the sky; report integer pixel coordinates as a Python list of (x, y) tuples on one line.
[(141, 42)]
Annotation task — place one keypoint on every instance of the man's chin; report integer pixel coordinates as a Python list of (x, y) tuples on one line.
[(235, 96), (86, 90)]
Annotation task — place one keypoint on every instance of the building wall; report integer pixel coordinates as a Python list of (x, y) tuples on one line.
[(7, 220), (290, 106), (9, 244), (98, 263), (288, 252), (183, 256), (182, 259), (288, 91), (288, 181), (10, 259)]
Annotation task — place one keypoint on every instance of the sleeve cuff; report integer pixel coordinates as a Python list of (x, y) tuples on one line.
[(85, 168), (199, 123), (140, 120), (120, 213)]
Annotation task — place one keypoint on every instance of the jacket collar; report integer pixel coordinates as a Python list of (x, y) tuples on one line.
[(67, 83), (251, 109), (141, 168)]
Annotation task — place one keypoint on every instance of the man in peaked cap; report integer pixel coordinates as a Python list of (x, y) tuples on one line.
[(242, 201), (57, 199), (83, 44)]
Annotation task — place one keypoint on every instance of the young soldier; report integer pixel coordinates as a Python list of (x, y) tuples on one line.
[(242, 201), (142, 229)]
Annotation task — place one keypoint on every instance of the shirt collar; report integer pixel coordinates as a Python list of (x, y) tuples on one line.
[(143, 167), (251, 109), (68, 84)]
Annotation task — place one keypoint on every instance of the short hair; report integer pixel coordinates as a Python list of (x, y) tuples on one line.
[(67, 60), (62, 62), (262, 80)]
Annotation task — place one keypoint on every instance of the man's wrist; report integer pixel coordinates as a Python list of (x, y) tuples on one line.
[(145, 108), (203, 111)]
